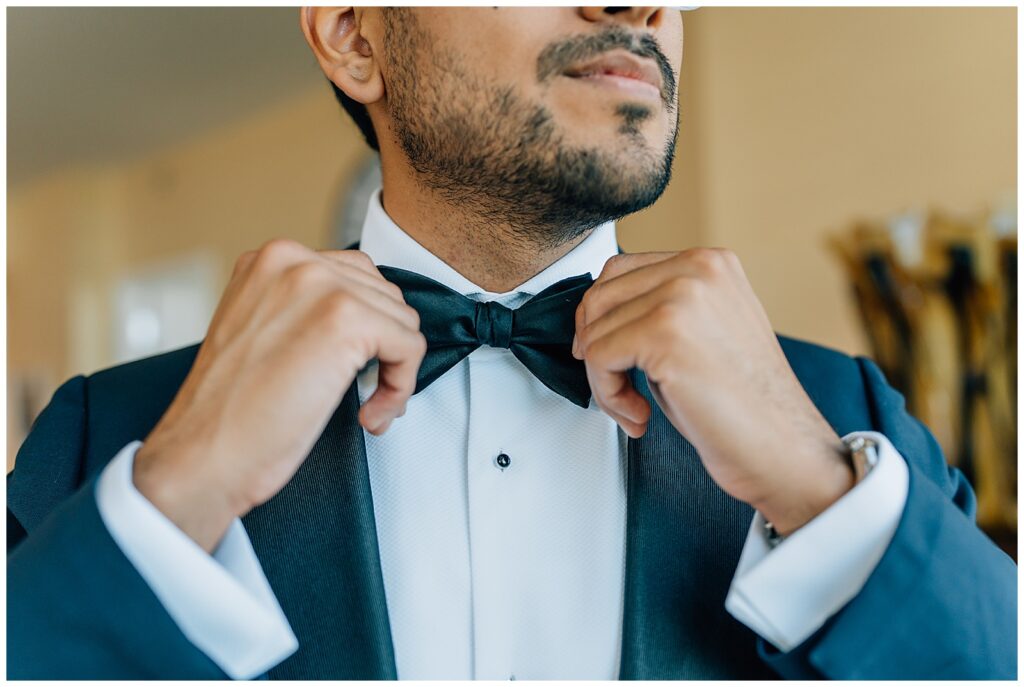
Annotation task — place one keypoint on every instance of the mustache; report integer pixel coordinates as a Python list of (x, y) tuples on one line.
[(557, 57)]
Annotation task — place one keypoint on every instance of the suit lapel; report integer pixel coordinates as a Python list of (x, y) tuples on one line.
[(683, 540), (317, 542)]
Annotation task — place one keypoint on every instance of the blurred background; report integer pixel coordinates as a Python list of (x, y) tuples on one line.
[(861, 162)]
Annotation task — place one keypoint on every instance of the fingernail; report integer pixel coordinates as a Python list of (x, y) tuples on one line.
[(631, 418), (636, 430), (373, 421)]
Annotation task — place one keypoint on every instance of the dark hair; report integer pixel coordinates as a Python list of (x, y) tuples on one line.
[(357, 111)]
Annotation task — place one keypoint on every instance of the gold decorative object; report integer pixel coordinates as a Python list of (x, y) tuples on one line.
[(938, 297)]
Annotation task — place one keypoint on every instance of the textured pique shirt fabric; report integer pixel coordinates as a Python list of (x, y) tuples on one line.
[(500, 510)]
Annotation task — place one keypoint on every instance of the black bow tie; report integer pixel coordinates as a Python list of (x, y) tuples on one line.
[(539, 333)]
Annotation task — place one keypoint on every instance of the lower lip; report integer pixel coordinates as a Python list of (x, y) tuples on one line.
[(622, 83)]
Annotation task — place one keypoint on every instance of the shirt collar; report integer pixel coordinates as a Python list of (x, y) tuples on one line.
[(387, 244)]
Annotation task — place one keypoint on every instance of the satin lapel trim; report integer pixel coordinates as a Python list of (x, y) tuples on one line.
[(317, 542), (683, 540)]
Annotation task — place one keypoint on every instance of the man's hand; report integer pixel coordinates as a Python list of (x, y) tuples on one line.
[(692, 323), (292, 330)]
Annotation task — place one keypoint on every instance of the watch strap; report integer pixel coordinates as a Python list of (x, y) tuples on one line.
[(862, 454)]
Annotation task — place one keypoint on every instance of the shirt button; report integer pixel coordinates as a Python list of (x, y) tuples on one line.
[(503, 460)]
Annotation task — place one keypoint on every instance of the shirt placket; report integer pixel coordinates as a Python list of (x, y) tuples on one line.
[(494, 388)]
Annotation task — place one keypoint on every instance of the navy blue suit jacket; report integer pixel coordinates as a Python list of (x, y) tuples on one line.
[(942, 602)]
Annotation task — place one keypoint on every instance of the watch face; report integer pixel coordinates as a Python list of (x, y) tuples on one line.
[(863, 455), (351, 201)]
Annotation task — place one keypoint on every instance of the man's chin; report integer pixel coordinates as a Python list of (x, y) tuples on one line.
[(620, 138), (620, 198)]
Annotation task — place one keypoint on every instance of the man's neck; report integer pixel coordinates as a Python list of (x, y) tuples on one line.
[(495, 255)]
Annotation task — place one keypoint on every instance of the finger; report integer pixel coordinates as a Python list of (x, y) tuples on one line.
[(241, 268), (607, 366), (599, 298), (704, 262), (627, 262), (355, 258), (240, 274), (676, 290), (243, 264), (319, 276), (400, 352), (361, 269), (370, 279), (275, 256), (383, 302), (614, 392), (580, 324), (253, 275), (605, 295), (702, 256)]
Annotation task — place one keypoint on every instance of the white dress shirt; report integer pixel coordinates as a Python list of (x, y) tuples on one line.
[(495, 569)]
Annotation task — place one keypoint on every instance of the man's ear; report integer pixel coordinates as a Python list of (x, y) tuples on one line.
[(344, 54)]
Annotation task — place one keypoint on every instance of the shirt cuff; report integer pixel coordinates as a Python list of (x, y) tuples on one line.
[(785, 594), (222, 603)]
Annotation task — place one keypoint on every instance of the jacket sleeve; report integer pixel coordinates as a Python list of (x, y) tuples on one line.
[(76, 607), (942, 601)]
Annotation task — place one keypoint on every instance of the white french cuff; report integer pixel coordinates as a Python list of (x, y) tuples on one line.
[(786, 593), (222, 603)]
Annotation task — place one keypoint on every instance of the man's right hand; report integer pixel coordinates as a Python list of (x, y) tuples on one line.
[(293, 328)]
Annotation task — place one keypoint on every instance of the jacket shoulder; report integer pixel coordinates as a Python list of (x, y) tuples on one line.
[(124, 402), (164, 369), (87, 421)]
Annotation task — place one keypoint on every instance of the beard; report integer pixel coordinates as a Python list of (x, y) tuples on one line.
[(478, 144)]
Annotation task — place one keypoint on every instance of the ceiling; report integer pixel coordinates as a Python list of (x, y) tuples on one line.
[(95, 84)]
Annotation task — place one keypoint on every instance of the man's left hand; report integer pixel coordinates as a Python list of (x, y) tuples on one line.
[(691, 322)]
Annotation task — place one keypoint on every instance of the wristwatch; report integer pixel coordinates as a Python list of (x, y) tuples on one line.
[(862, 453)]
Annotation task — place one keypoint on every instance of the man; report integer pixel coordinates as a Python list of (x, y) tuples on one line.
[(448, 454)]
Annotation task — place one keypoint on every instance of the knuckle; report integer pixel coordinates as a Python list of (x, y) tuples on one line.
[(394, 291), (697, 289), (613, 264), (278, 246), (596, 352), (355, 257), (680, 288), (244, 260), (414, 314), (617, 259), (421, 344), (304, 275), (703, 256), (583, 340), (591, 299), (711, 261), (666, 318), (339, 307), (272, 254), (683, 289), (660, 366), (728, 257)]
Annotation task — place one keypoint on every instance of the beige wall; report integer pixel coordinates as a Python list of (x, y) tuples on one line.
[(802, 119), (794, 121), (232, 189), (72, 235)]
